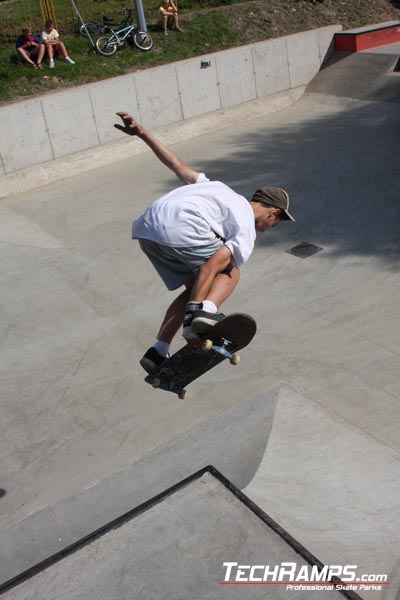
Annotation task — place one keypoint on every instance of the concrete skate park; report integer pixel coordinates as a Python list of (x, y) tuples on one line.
[(103, 479)]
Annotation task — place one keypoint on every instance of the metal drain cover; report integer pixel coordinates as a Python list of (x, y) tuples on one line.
[(304, 250)]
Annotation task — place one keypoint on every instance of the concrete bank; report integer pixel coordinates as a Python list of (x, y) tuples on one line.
[(83, 439), (60, 135)]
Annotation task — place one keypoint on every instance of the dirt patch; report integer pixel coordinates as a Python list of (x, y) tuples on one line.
[(262, 19)]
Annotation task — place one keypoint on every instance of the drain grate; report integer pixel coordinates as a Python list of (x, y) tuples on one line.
[(304, 250)]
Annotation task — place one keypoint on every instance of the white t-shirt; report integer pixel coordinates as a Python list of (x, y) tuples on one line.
[(191, 215), (50, 37)]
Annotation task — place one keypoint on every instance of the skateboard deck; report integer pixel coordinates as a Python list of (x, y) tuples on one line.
[(221, 342)]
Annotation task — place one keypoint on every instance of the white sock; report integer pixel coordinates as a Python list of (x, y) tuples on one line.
[(161, 347), (209, 306)]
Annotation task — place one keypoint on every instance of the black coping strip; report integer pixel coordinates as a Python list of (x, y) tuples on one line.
[(128, 516), (272, 524), (376, 28)]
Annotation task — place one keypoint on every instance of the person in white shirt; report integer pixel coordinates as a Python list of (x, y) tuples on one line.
[(199, 235), (51, 40)]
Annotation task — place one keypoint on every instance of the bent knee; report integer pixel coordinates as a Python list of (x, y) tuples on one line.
[(228, 270)]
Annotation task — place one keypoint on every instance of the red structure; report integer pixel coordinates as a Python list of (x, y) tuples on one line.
[(364, 38)]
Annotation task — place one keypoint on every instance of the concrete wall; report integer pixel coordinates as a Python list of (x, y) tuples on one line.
[(79, 120)]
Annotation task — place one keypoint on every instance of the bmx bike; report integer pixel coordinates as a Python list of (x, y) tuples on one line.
[(108, 45), (94, 28)]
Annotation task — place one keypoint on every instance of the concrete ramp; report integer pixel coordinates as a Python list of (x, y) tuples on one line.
[(334, 488), (361, 76), (185, 544)]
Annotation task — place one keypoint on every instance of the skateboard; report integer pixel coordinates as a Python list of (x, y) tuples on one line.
[(220, 342)]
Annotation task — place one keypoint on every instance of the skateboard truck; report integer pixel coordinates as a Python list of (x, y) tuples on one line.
[(221, 347), (156, 383)]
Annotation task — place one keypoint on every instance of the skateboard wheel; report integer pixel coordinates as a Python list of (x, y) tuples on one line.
[(207, 345), (235, 360), (156, 382), (182, 394)]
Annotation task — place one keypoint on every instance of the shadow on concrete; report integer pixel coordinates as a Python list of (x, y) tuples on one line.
[(340, 170), (335, 151)]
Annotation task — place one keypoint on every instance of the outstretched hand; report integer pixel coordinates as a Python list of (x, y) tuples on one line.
[(130, 126)]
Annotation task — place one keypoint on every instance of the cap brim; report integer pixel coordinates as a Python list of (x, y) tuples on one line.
[(287, 216)]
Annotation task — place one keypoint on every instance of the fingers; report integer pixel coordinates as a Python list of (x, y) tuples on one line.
[(129, 123), (126, 117)]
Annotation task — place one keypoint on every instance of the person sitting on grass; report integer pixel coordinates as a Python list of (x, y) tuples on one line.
[(29, 48), (169, 16), (51, 40)]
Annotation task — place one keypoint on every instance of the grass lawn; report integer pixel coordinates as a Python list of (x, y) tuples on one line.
[(208, 28), (202, 34)]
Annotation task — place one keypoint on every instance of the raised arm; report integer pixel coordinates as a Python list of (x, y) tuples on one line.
[(168, 158)]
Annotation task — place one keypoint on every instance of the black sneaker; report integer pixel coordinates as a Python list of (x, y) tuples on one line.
[(152, 359), (191, 309), (203, 320)]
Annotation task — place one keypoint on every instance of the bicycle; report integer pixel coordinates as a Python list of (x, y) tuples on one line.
[(108, 45), (94, 29)]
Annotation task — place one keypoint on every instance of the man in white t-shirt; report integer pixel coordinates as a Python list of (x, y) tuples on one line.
[(199, 235)]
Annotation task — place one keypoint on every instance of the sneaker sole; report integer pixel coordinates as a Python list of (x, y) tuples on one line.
[(147, 365), (201, 324)]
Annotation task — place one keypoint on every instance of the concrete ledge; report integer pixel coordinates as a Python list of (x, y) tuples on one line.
[(99, 156)]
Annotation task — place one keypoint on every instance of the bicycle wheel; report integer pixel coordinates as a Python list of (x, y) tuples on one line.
[(106, 45), (143, 40), (91, 28)]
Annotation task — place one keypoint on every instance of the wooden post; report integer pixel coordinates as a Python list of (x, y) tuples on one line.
[(48, 11)]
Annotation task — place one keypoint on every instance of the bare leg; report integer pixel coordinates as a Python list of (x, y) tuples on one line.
[(176, 22), (49, 48), (25, 56), (223, 286), (174, 316), (41, 54), (62, 49)]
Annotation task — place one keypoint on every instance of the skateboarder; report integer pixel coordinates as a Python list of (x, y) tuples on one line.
[(199, 236)]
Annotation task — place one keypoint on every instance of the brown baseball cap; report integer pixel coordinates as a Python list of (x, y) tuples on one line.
[(274, 197)]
